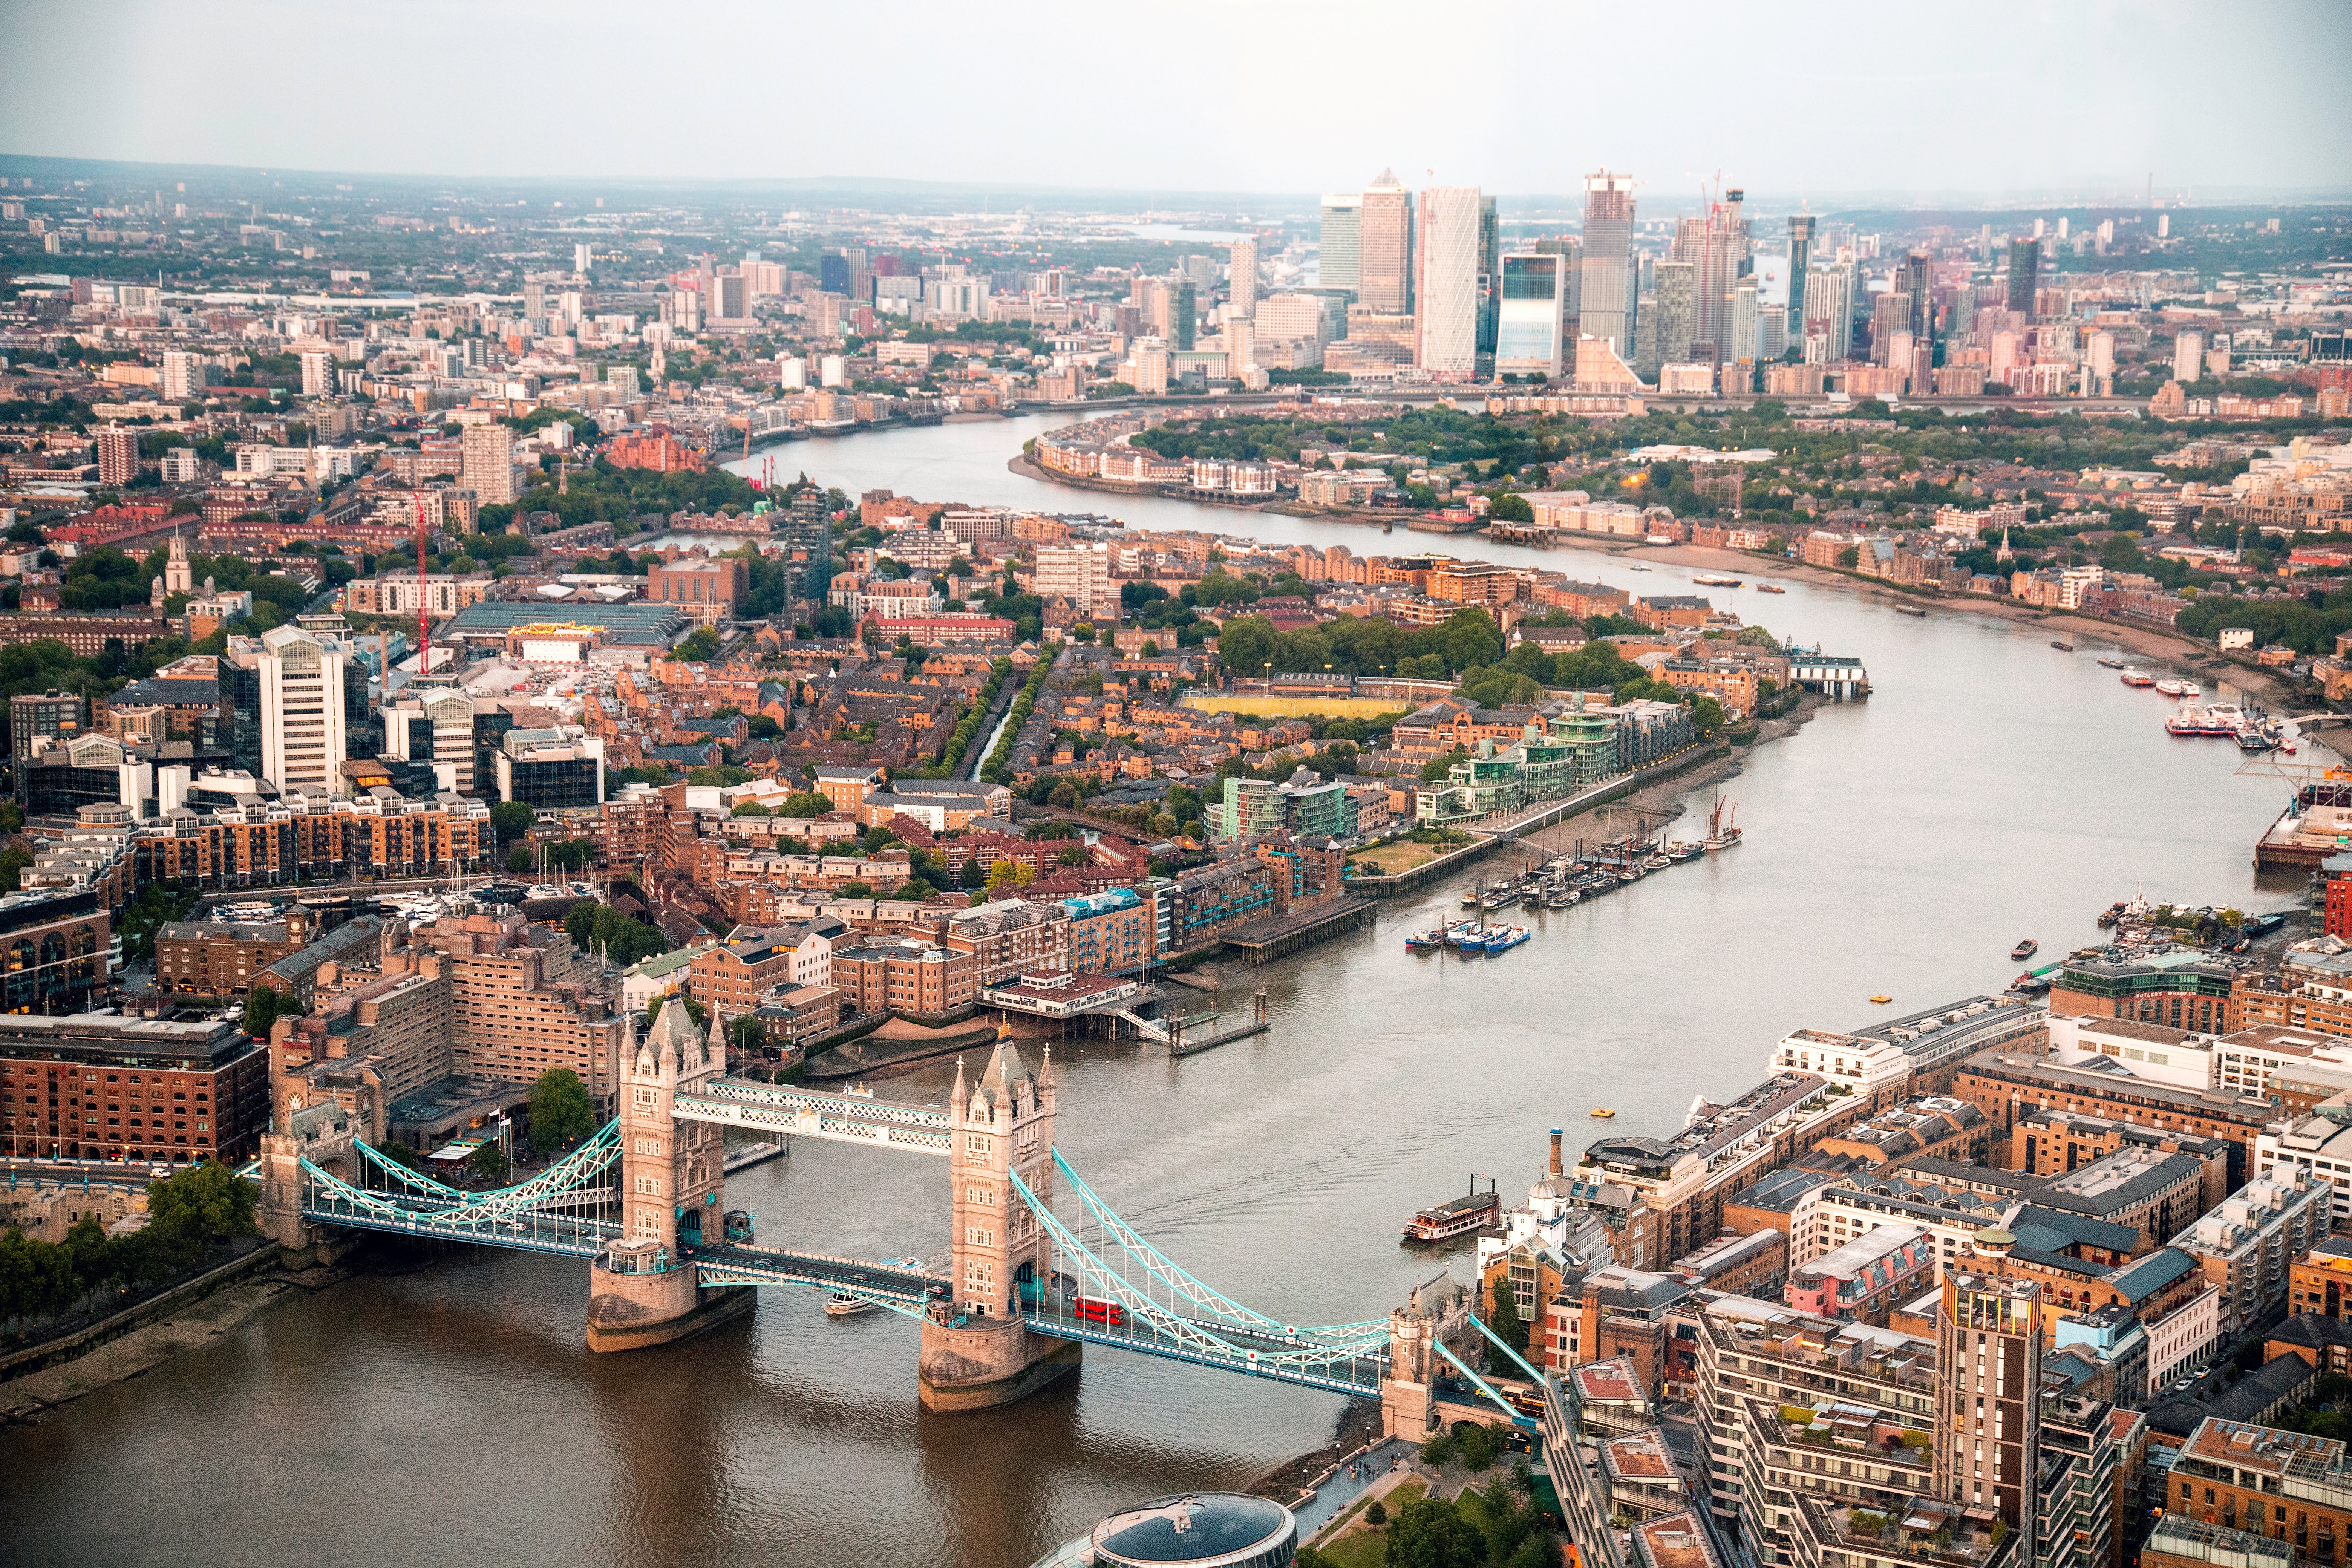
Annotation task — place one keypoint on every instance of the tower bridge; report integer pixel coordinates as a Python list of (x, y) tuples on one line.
[(1039, 1265)]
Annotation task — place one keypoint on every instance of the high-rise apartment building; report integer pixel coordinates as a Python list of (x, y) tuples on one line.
[(583, 256), (488, 452), (185, 375), (318, 374), (1445, 281), (1343, 220), (1714, 245), (1531, 320), (2024, 269), (1800, 258), (2189, 357), (1241, 292), (1990, 1339), (1184, 314), (1606, 299), (1673, 317), (117, 456), (1079, 573), (302, 702), (1384, 247), (1829, 308), (1917, 280)]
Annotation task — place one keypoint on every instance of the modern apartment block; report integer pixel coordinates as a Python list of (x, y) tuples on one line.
[(1607, 297), (302, 709), (1531, 317), (1989, 1340)]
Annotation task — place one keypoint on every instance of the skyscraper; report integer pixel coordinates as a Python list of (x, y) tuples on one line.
[(1989, 1344), (1184, 314), (1241, 297), (2024, 264), (1385, 249), (1917, 280), (1343, 225), (301, 709), (2189, 357), (1445, 281), (1531, 315), (1674, 305), (1800, 258), (1714, 245), (1606, 300), (1490, 273), (1829, 307)]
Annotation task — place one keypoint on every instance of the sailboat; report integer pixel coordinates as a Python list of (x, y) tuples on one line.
[(1722, 830)]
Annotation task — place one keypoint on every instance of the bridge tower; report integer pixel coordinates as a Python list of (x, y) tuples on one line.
[(983, 1354), (641, 1291), (1409, 1392)]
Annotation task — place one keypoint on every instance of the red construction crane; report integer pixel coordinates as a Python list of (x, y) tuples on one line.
[(424, 637)]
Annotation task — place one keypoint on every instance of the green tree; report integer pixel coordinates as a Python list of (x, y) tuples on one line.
[(805, 804), (1477, 1448), (1429, 1532), (511, 819), (701, 648), (1850, 557), (207, 1203), (264, 1005), (1438, 1448), (1509, 1326), (489, 1162), (1511, 508), (561, 1111)]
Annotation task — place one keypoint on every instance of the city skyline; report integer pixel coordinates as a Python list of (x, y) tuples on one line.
[(2071, 114)]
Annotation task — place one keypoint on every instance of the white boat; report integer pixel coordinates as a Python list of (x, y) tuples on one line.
[(2171, 687), (843, 1305)]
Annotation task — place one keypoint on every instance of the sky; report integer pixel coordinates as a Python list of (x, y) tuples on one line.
[(1808, 102)]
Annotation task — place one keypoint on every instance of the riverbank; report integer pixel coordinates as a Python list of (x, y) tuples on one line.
[(1028, 468), (37, 1396)]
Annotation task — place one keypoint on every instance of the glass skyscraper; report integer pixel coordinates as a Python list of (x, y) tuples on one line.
[(1384, 247), (1530, 316), (2024, 266), (1801, 256), (1343, 223), (1607, 300)]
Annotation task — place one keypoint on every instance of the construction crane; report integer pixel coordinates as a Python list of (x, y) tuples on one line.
[(424, 637)]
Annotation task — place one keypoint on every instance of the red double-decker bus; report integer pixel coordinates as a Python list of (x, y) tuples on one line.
[(1094, 1308)]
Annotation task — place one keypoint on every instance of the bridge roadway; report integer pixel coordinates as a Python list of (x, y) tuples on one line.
[(1343, 1375)]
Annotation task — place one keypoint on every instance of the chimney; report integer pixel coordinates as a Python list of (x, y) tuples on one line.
[(1555, 1151)]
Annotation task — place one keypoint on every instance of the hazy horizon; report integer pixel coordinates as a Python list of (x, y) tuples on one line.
[(1176, 107)]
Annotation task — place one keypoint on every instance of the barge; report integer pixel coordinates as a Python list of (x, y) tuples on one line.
[(1457, 1216)]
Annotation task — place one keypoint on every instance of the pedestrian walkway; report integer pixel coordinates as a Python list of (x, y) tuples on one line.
[(1373, 1469)]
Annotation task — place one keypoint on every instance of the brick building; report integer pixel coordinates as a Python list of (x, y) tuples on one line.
[(106, 1088), (216, 958), (909, 977)]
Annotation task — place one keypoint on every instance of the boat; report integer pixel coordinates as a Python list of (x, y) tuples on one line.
[(2064, 646), (1640, 568), (1456, 1216), (1561, 897), (1914, 610), (1506, 938), (1604, 1112), (1717, 581), (2030, 984), (2169, 687), (841, 1304), (1470, 936), (2111, 914), (2252, 739), (1683, 849), (1722, 832), (2222, 722), (1769, 588), (2137, 678), (1880, 1001), (1656, 863), (2024, 950), (1420, 940), (2190, 688), (2111, 663)]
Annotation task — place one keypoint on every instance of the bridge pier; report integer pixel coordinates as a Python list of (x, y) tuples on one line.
[(989, 1363), (638, 1298)]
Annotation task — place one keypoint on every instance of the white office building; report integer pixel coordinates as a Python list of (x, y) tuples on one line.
[(301, 709), (1343, 219), (1446, 282)]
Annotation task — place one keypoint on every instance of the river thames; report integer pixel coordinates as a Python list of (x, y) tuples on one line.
[(1991, 788)]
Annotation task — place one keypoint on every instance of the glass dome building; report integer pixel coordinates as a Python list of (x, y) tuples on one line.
[(1187, 1530)]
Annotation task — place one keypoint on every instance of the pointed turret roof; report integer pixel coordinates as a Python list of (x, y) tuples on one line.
[(674, 1032), (1388, 177)]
